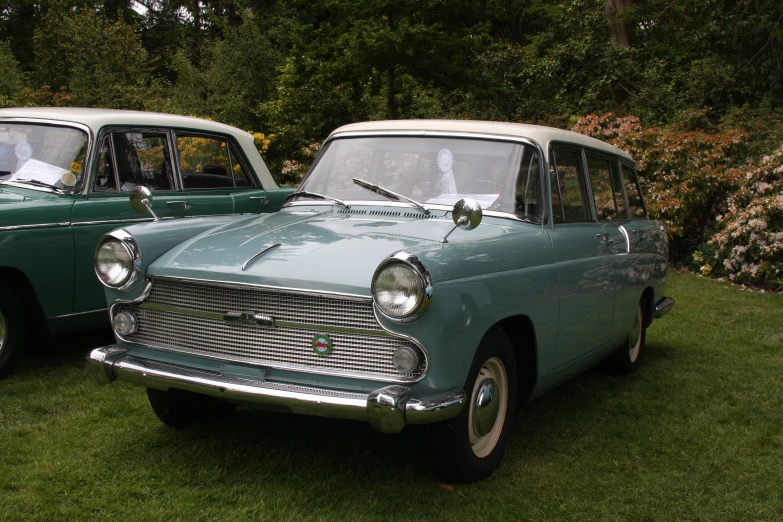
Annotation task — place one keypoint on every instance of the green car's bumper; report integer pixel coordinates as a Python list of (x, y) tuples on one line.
[(387, 409)]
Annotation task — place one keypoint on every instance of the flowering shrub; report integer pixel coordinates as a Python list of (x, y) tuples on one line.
[(748, 242), (686, 176), (293, 171)]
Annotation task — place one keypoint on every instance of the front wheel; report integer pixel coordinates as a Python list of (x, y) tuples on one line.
[(470, 446), (180, 408), (12, 330)]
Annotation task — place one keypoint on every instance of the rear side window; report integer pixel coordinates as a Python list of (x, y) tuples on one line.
[(204, 162), (605, 193), (569, 194), (636, 208)]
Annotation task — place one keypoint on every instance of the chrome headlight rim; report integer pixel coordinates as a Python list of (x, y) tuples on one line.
[(411, 261), (132, 248)]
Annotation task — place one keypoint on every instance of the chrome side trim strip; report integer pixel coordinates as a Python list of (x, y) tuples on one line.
[(65, 316), (38, 225), (627, 239), (284, 324), (323, 293)]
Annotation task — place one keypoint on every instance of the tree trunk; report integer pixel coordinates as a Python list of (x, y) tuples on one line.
[(620, 31)]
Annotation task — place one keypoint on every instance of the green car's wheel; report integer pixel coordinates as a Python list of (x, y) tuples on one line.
[(469, 447), (629, 356), (12, 330), (180, 408)]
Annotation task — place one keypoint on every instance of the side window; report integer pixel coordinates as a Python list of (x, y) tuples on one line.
[(138, 157), (204, 162), (636, 208), (606, 207), (104, 175), (617, 186), (571, 193), (527, 200), (241, 178)]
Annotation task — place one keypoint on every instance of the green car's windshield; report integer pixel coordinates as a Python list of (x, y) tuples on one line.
[(42, 155), (501, 175)]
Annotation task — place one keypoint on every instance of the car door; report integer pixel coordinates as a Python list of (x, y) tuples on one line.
[(123, 159), (215, 177), (583, 259)]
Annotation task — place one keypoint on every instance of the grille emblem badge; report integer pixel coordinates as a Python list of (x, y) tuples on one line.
[(322, 344), (250, 319)]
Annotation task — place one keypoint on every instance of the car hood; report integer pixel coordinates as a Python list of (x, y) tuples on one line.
[(322, 251), (20, 207)]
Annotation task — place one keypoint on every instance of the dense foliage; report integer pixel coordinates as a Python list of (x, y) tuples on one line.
[(703, 79)]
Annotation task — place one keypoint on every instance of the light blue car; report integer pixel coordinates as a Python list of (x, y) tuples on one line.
[(425, 272)]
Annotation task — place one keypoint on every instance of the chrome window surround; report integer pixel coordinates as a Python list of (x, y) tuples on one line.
[(414, 263), (86, 168), (120, 304), (437, 134), (132, 247)]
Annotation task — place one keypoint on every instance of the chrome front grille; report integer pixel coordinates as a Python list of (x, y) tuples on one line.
[(186, 316)]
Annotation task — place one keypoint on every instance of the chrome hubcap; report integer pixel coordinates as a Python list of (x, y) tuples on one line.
[(3, 330), (488, 405), (635, 337)]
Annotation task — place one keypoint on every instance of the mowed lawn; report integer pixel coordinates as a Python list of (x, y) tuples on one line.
[(696, 434)]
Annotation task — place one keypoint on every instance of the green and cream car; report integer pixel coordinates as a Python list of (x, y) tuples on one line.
[(65, 177), (425, 272)]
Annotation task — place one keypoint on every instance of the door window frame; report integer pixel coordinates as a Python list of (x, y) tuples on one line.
[(231, 146), (108, 131)]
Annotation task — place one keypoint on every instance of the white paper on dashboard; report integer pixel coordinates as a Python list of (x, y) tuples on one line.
[(38, 170), (485, 200)]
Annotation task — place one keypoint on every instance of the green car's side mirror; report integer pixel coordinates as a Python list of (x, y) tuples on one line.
[(141, 201), (466, 214)]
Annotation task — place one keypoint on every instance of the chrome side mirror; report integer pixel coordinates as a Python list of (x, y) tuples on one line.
[(466, 214), (141, 201)]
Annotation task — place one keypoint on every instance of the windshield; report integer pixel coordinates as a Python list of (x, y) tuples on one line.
[(46, 154), (500, 175)]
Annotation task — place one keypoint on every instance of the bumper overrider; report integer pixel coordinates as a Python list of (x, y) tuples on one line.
[(387, 409)]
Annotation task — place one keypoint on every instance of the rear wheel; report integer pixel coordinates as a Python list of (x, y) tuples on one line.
[(12, 330), (470, 446), (180, 408), (629, 356)]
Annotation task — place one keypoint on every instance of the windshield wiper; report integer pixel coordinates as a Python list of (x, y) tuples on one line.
[(38, 183), (388, 193), (306, 194)]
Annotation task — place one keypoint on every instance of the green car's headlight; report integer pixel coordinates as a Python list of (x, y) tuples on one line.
[(116, 260), (402, 287)]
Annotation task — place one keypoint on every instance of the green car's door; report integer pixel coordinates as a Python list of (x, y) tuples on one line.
[(125, 158), (584, 261)]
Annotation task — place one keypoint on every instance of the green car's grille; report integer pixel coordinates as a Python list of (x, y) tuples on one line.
[(188, 316)]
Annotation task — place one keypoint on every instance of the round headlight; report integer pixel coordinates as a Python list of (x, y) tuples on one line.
[(398, 290), (113, 262)]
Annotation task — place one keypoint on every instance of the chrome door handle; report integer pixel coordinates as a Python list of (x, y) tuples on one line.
[(607, 240), (185, 204), (263, 199)]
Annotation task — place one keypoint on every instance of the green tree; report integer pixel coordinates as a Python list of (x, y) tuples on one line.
[(99, 61)]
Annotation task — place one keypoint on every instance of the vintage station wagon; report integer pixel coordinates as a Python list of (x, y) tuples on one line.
[(425, 272), (65, 176)]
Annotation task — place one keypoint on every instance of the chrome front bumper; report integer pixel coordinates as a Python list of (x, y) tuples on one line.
[(663, 306), (387, 409)]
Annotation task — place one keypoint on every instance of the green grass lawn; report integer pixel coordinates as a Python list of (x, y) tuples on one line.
[(696, 434)]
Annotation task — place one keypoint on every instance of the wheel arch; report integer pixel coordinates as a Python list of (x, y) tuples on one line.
[(520, 331), (17, 282)]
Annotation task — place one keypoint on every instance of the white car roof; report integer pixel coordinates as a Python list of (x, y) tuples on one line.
[(97, 118), (539, 134)]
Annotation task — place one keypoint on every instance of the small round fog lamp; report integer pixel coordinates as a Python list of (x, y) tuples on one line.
[(124, 324), (405, 359)]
